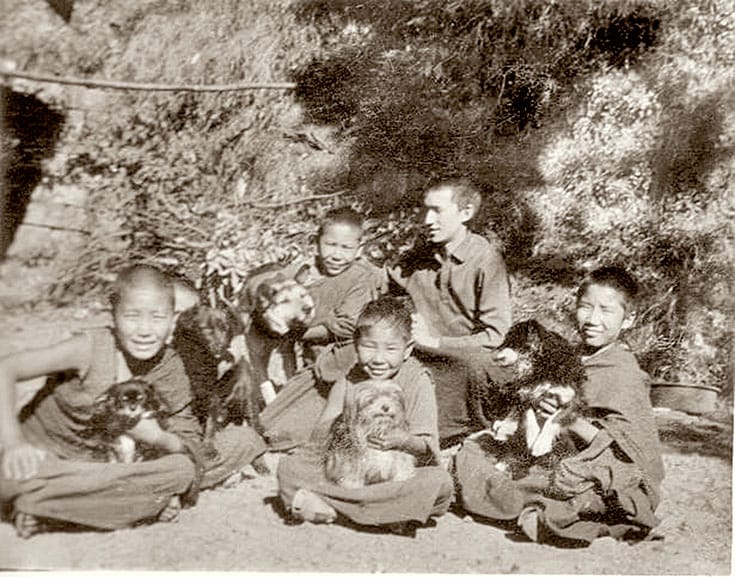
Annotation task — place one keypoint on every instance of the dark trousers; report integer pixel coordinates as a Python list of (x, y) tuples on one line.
[(464, 382)]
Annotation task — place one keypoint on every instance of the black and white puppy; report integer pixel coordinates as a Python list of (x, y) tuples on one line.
[(118, 410), (544, 365)]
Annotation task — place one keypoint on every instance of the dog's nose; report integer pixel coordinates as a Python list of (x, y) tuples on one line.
[(385, 408)]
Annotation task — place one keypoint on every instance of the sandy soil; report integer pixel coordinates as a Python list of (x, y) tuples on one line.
[(242, 528)]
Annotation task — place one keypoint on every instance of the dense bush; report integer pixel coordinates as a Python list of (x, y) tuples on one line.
[(198, 183), (598, 132)]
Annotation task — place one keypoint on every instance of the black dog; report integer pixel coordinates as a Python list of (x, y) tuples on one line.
[(210, 341), (544, 364), (117, 411)]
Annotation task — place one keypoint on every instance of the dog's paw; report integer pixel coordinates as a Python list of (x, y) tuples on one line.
[(501, 466), (502, 430), (544, 441)]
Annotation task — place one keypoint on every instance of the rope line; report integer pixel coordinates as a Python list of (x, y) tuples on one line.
[(144, 86)]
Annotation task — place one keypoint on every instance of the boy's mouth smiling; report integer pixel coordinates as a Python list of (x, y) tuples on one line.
[(377, 372)]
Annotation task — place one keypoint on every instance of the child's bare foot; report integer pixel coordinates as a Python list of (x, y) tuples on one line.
[(260, 465), (310, 507), (528, 523), (26, 525), (171, 511), (233, 480)]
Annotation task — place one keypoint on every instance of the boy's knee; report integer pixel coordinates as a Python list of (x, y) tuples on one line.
[(181, 465)]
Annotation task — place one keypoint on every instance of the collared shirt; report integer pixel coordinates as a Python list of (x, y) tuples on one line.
[(464, 295)]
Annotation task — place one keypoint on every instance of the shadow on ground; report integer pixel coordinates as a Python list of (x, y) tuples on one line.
[(687, 434)]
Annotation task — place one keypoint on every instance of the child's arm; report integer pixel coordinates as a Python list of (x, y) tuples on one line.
[(150, 432), (416, 445), (20, 459), (317, 334), (364, 283), (332, 410)]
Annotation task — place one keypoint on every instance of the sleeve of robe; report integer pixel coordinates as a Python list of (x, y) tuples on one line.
[(624, 459), (421, 409)]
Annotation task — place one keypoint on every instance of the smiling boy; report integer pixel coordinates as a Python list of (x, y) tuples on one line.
[(51, 470), (611, 487), (383, 344)]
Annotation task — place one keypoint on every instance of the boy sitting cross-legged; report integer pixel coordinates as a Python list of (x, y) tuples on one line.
[(611, 486), (51, 470), (341, 282), (383, 344)]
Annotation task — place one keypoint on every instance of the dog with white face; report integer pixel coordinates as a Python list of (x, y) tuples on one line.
[(231, 350), (276, 310), (375, 409)]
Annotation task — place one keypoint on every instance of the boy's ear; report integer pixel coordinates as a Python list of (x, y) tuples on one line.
[(467, 212), (172, 329), (408, 350), (628, 321)]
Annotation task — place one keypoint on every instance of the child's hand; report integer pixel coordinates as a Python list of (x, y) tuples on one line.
[(422, 334), (505, 357), (392, 440), (342, 326), (150, 432), (20, 461), (547, 406)]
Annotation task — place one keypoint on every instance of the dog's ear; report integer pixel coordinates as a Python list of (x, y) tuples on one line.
[(155, 401), (304, 275), (535, 335), (264, 295)]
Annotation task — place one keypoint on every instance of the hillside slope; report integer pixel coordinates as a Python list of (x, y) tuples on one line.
[(598, 132)]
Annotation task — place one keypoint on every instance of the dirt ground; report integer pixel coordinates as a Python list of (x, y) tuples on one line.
[(241, 528)]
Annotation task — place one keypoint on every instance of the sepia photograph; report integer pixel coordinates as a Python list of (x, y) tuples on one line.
[(378, 286)]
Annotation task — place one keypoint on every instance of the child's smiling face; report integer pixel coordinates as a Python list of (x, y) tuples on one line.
[(602, 315), (338, 247), (144, 320), (381, 350)]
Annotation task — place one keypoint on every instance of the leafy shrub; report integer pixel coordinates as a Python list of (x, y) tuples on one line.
[(597, 131)]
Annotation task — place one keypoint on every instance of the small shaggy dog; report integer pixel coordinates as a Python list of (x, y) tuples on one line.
[(118, 410), (544, 364), (376, 408)]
